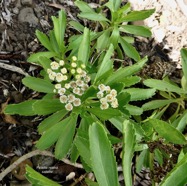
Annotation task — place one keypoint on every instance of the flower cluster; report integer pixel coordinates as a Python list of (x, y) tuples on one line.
[(107, 97), (71, 81)]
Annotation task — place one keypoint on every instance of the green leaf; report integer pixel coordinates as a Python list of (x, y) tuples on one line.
[(155, 104), (104, 114), (123, 98), (37, 84), (76, 25), (117, 122), (66, 138), (158, 156), (84, 48), (90, 182), (103, 41), (137, 15), (52, 134), (168, 132), (51, 120), (90, 92), (184, 83), (142, 160), (140, 94), (83, 6), (45, 62), (113, 5), (124, 9), (132, 80), (121, 73), (128, 39), (34, 57), (136, 30), (114, 36), (25, 108), (59, 29), (102, 156), (129, 50), (82, 144), (176, 176), (44, 40), (47, 106), (163, 86), (54, 43), (93, 16), (106, 64), (38, 179), (180, 122), (184, 62), (128, 150), (134, 110)]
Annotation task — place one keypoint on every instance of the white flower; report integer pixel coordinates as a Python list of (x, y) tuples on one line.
[(107, 89), (113, 92), (61, 62), (65, 77), (54, 90), (63, 70), (101, 87), (79, 83), (54, 65), (77, 102), (76, 90), (49, 71), (74, 58), (73, 64), (71, 98), (84, 87), (69, 106), (109, 98), (104, 106), (58, 86), (114, 103), (63, 99), (87, 79), (79, 70), (100, 94), (77, 76), (103, 100), (52, 76), (67, 85), (81, 92), (61, 91), (73, 84), (59, 77), (83, 73), (83, 66), (72, 71)]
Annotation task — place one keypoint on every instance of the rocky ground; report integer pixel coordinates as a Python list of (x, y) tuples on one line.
[(18, 21)]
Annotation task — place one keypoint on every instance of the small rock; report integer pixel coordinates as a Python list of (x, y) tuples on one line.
[(15, 10), (27, 15), (17, 96), (27, 2)]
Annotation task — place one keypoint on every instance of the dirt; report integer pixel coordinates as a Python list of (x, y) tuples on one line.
[(168, 23), (18, 21)]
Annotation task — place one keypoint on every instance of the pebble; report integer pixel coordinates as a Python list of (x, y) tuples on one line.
[(27, 15), (15, 10), (27, 2)]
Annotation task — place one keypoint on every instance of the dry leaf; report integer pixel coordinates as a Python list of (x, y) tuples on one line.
[(6, 117)]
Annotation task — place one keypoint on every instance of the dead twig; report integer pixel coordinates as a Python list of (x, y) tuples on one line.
[(31, 154), (13, 69)]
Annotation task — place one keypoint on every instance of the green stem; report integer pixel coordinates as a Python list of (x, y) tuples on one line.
[(151, 165)]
